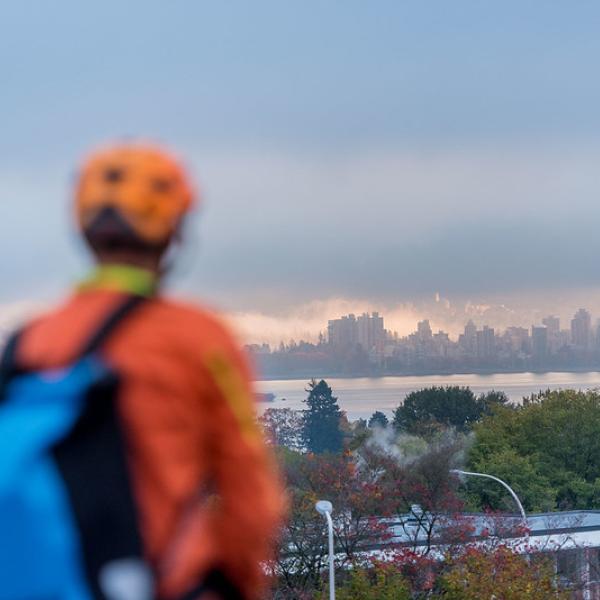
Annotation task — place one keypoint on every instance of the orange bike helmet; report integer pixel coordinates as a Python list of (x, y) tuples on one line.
[(145, 186)]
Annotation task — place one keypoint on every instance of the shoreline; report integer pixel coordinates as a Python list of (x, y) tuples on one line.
[(424, 373)]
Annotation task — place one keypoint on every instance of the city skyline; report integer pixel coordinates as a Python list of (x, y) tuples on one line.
[(308, 321), (367, 329), (362, 345)]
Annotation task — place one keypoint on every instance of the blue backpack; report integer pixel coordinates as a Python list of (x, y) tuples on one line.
[(68, 522)]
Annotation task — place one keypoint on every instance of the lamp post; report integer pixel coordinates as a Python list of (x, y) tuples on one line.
[(325, 508), (510, 490)]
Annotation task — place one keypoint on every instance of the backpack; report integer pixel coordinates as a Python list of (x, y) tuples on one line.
[(68, 522)]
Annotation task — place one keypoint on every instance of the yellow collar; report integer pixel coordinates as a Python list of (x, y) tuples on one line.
[(121, 278)]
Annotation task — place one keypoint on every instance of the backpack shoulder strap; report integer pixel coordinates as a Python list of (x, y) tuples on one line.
[(107, 327), (8, 362)]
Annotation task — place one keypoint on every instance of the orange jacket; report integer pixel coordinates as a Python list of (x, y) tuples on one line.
[(205, 487)]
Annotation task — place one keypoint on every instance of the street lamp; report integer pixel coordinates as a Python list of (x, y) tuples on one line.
[(510, 490), (325, 508)]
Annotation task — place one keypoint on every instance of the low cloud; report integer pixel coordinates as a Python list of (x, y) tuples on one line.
[(285, 241), (306, 321), (523, 309)]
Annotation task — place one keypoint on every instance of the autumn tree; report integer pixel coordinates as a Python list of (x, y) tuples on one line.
[(356, 498), (419, 490), (283, 427), (500, 573), (381, 582)]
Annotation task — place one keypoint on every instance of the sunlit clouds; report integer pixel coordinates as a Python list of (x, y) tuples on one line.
[(285, 242)]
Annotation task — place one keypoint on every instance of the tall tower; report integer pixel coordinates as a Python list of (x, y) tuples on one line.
[(486, 342), (552, 323), (581, 329), (539, 342), (370, 331), (424, 330)]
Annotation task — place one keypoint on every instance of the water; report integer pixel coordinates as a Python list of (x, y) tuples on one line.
[(360, 397)]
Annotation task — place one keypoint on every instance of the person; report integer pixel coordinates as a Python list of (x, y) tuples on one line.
[(207, 499)]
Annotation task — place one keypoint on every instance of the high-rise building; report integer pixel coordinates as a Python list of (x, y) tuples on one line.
[(555, 338), (343, 332), (441, 343), (581, 329), (552, 324), (424, 330), (486, 342), (468, 339), (370, 331), (470, 329), (539, 342), (517, 339)]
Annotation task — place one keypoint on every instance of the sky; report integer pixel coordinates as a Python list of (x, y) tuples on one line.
[(350, 155)]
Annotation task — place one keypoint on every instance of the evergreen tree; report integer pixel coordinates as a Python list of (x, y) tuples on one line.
[(321, 431), (378, 419)]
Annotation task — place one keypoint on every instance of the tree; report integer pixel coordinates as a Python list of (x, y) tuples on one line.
[(416, 486), (500, 573), (356, 498), (548, 449), (321, 431), (407, 482), (448, 406), (491, 400), (382, 582), (533, 489), (283, 427), (358, 434), (424, 411), (378, 419)]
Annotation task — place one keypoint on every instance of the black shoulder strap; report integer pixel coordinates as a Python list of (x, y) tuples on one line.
[(9, 366), (110, 324), (8, 362)]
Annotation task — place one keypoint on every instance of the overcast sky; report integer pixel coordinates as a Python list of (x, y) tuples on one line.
[(380, 151)]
